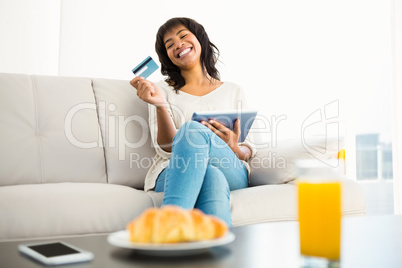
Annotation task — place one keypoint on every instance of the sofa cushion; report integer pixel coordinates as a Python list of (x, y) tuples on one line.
[(47, 124), (123, 118), (264, 204), (19, 144), (63, 209), (276, 165), (271, 203)]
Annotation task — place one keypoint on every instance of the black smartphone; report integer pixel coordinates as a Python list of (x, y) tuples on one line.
[(55, 253)]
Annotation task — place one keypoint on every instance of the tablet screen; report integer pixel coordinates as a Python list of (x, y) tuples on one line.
[(228, 118)]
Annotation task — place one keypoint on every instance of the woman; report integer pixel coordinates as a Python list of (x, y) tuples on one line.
[(197, 164)]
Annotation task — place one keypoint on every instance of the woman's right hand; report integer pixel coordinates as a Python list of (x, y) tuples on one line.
[(148, 91)]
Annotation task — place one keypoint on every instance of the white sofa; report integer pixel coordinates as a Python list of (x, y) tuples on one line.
[(74, 153)]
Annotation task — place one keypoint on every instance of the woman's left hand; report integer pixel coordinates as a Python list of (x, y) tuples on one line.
[(228, 136)]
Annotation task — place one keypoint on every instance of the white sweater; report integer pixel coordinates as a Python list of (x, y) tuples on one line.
[(228, 96)]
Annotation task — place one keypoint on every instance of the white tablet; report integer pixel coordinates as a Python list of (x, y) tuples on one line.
[(55, 253), (228, 118)]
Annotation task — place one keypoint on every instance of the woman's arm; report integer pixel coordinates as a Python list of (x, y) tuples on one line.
[(166, 129), (150, 93)]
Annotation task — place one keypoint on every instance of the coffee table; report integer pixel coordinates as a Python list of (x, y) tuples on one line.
[(374, 241)]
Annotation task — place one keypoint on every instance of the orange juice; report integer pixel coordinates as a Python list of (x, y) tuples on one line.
[(320, 218)]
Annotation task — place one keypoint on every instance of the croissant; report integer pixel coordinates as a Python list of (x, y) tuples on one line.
[(172, 224)]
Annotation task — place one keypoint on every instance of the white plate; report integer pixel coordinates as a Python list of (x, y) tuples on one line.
[(122, 239)]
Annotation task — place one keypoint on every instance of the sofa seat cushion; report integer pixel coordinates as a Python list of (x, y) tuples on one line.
[(63, 209), (264, 204), (269, 203)]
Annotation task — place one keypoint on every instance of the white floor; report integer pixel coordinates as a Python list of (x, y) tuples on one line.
[(379, 197)]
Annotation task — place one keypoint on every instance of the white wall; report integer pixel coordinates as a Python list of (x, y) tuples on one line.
[(292, 57), (29, 36)]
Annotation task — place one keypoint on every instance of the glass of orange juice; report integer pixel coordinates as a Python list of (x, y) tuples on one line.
[(319, 206)]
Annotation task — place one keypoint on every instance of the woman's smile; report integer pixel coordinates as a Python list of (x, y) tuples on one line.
[(184, 52)]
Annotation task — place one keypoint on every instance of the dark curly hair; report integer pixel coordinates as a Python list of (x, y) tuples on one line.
[(209, 54)]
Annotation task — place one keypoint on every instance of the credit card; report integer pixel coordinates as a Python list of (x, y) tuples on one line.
[(145, 68)]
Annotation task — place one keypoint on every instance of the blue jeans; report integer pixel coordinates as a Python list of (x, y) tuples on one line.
[(201, 173)]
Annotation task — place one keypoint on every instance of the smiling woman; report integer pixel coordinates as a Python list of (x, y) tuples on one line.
[(180, 31), (187, 164)]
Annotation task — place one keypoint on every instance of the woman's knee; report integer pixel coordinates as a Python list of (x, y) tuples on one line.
[(192, 127), (192, 124), (192, 132)]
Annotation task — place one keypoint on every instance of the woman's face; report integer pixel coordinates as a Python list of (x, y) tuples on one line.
[(182, 47)]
